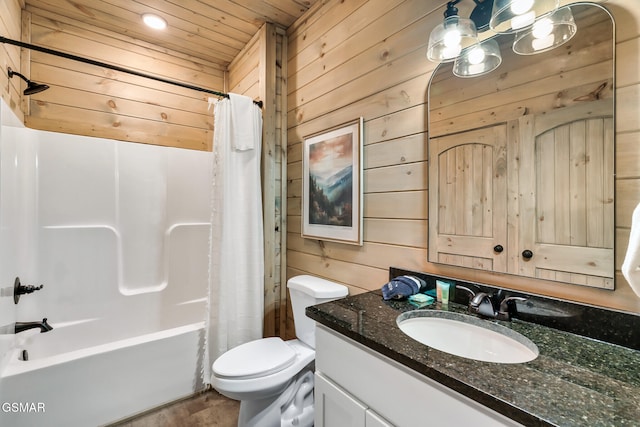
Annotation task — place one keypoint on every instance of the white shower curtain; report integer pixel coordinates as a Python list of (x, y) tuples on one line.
[(236, 262)]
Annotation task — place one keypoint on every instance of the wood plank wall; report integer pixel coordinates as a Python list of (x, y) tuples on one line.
[(367, 58), (258, 72), (10, 27), (89, 100)]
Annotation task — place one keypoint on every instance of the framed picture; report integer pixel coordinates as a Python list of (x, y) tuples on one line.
[(332, 184)]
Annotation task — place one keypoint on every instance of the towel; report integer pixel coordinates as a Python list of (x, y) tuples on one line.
[(631, 265), (421, 300), (243, 129), (402, 286)]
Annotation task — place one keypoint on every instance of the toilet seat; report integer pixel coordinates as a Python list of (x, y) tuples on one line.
[(255, 359), (262, 385)]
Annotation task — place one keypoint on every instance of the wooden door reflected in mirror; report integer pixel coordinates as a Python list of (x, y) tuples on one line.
[(521, 160)]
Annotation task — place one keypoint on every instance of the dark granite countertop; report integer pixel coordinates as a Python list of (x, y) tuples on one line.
[(575, 380)]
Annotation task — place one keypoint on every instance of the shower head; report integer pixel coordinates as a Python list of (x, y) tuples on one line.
[(32, 87)]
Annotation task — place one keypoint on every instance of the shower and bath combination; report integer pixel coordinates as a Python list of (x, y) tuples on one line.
[(80, 351)]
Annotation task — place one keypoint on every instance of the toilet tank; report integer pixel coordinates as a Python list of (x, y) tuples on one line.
[(309, 290)]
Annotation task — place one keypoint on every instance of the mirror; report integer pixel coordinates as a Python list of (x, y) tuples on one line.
[(521, 160)]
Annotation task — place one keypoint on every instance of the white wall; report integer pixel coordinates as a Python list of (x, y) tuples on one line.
[(11, 241), (117, 232)]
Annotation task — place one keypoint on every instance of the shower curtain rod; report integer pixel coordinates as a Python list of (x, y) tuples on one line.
[(113, 67)]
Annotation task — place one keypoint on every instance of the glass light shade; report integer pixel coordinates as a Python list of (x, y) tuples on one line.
[(447, 40), (547, 33), (509, 16), (478, 59)]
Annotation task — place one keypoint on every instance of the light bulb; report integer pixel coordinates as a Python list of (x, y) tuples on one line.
[(542, 28), (154, 21), (476, 55), (518, 7), (523, 21), (543, 42), (452, 38), (451, 52)]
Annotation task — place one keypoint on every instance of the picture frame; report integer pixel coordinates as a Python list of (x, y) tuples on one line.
[(332, 197)]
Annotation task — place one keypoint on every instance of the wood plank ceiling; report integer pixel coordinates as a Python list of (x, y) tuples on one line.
[(211, 30)]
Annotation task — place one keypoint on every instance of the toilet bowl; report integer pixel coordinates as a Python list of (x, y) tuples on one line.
[(273, 378)]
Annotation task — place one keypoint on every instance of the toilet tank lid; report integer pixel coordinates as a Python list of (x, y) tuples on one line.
[(317, 287)]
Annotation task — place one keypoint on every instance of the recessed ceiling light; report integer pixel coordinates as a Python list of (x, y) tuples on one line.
[(154, 21)]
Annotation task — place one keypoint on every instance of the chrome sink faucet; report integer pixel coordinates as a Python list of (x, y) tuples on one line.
[(482, 304), (494, 306)]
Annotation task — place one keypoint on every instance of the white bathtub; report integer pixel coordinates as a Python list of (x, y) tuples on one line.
[(101, 384)]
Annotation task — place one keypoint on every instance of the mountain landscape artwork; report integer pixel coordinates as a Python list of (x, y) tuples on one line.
[(331, 181), (331, 191)]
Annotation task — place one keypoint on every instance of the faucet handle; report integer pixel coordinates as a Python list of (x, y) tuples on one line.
[(28, 289), (464, 288), (471, 292), (20, 289), (504, 304)]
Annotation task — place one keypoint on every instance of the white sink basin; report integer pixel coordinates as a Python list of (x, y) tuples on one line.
[(467, 336)]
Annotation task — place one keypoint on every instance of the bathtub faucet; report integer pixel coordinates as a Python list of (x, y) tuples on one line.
[(23, 326)]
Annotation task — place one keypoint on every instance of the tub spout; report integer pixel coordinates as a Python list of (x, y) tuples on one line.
[(23, 326)]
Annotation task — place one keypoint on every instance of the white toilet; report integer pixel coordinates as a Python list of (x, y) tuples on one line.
[(272, 378)]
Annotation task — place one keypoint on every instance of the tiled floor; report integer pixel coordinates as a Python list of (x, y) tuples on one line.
[(208, 408)]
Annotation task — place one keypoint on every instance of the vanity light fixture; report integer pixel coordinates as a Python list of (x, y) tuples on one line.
[(537, 26), (478, 59), (509, 16), (154, 21), (481, 14), (546, 33), (447, 39)]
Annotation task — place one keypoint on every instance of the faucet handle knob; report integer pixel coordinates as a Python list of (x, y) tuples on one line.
[(504, 304), (29, 289), (464, 288), (20, 289)]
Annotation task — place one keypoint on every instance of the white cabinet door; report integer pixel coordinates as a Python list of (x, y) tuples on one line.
[(375, 420), (336, 408)]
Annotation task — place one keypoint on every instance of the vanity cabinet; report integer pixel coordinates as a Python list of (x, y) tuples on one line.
[(336, 407), (532, 197), (356, 386)]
